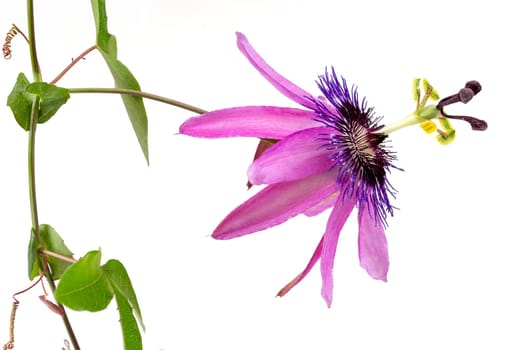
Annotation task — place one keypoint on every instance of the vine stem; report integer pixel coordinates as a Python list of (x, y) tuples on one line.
[(32, 42), (73, 62), (37, 77), (141, 94), (31, 169)]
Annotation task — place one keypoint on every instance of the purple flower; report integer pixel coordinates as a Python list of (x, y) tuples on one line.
[(328, 154)]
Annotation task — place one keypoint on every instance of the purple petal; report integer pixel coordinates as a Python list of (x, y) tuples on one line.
[(342, 208), (313, 260), (286, 87), (372, 245), (254, 121), (295, 157), (274, 205)]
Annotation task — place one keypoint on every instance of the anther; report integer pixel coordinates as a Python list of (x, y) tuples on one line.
[(464, 95), (476, 124), (474, 85)]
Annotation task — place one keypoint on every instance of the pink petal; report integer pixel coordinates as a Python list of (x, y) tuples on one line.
[(323, 205), (372, 245), (274, 205), (286, 87), (296, 156), (342, 208), (263, 145), (313, 260), (254, 121)]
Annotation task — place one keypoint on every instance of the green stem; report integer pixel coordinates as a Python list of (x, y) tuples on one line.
[(31, 169), (37, 77), (32, 42), (33, 121), (141, 94)]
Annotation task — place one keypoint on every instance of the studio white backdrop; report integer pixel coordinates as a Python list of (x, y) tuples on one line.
[(456, 243)]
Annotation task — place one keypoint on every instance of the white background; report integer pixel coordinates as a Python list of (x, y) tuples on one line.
[(456, 244)]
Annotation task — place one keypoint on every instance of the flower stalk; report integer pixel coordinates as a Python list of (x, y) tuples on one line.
[(143, 94)]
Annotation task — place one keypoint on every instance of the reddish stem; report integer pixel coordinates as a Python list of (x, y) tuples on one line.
[(74, 62), (35, 283)]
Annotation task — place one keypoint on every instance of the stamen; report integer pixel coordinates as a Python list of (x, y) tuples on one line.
[(428, 126), (474, 85), (476, 124), (464, 95), (445, 138)]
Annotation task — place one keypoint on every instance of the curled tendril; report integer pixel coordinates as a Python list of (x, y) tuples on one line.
[(6, 48), (11, 343)]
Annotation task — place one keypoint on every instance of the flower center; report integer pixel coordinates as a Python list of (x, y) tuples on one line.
[(362, 161), (358, 140), (355, 147)]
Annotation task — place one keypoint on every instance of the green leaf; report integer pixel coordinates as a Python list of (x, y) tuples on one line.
[(21, 99), (130, 331), (124, 79), (32, 254), (51, 99), (120, 281), (84, 286), (127, 303), (105, 41), (51, 241), (20, 102)]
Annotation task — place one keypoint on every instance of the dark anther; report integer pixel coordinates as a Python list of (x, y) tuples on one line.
[(474, 85), (464, 95), (476, 124)]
